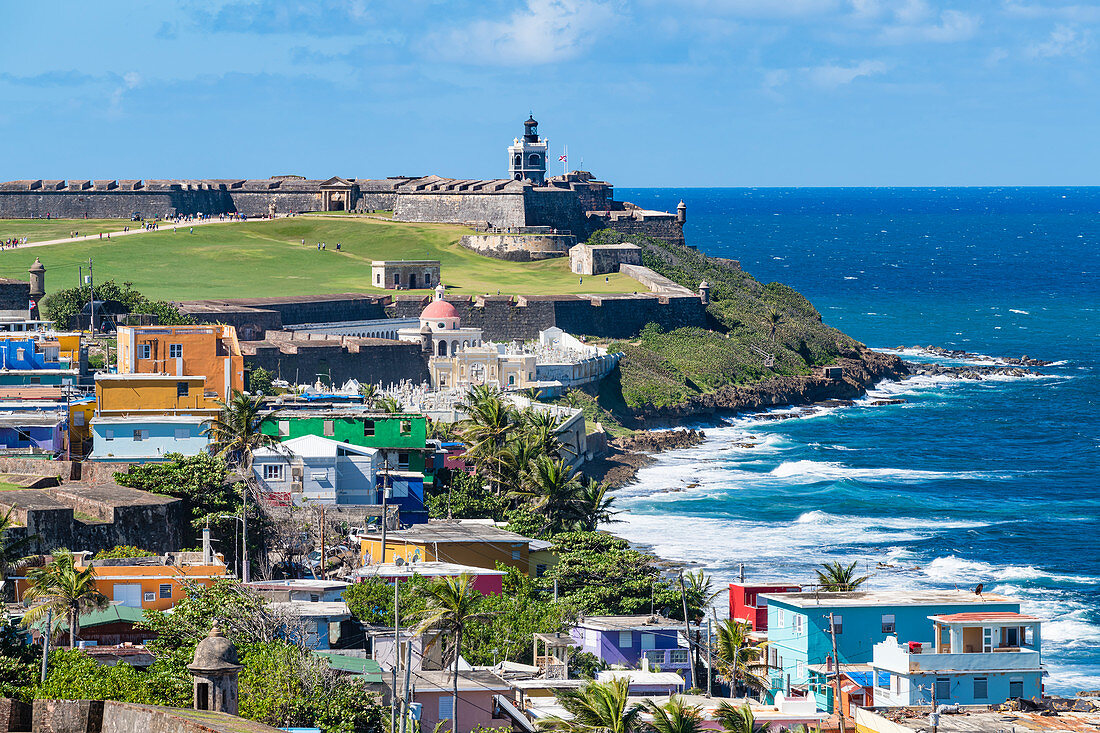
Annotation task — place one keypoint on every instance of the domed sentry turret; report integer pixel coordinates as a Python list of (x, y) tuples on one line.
[(704, 292), (38, 287), (215, 668), (681, 212)]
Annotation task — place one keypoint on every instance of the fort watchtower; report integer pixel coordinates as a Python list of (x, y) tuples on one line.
[(527, 155)]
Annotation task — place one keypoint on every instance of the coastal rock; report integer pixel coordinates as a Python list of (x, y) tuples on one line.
[(971, 372), (657, 441)]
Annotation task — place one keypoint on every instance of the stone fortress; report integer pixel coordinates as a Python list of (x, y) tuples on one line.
[(573, 204)]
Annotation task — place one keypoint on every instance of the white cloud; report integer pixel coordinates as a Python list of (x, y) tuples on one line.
[(1064, 40), (766, 9), (831, 76), (952, 26), (1075, 13), (544, 31)]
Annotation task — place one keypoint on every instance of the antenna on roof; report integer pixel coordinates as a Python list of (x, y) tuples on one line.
[(978, 590)]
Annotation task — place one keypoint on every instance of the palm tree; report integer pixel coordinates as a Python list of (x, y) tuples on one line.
[(594, 505), (598, 707), (551, 489), (12, 550), (698, 592), (452, 604), (370, 394), (59, 587), (740, 661), (738, 719), (491, 423), (835, 577), (773, 319), (390, 405), (542, 428), (235, 434), (675, 716)]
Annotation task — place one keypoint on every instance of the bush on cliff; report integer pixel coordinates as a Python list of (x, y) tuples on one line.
[(62, 305)]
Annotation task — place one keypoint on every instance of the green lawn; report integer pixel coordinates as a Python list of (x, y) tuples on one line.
[(265, 258), (41, 230)]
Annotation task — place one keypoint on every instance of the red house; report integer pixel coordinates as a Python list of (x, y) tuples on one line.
[(744, 605)]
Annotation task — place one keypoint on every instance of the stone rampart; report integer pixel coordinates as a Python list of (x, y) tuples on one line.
[(600, 259), (370, 201), (664, 227), (303, 358), (519, 247), (655, 281), (455, 207)]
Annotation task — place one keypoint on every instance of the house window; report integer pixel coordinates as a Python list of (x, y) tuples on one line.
[(36, 380), (882, 680), (649, 641), (981, 688), (800, 670), (165, 590), (108, 434), (515, 554), (887, 623), (20, 354), (838, 624), (378, 278), (511, 379), (540, 569), (397, 281), (773, 657), (943, 689), (182, 389), (626, 640), (144, 351), (140, 435), (655, 656), (150, 597), (446, 707), (368, 428), (403, 460), (678, 656), (1015, 688), (22, 436), (182, 433), (284, 428), (273, 472), (78, 419), (406, 427), (780, 621), (427, 279), (798, 617), (330, 428), (175, 351), (314, 598)]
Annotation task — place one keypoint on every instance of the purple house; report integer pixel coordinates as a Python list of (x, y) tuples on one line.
[(627, 640), (33, 431)]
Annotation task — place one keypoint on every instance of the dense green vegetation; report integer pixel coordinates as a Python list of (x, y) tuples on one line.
[(60, 306), (262, 258), (756, 331)]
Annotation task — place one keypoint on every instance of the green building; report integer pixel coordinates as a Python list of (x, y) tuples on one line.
[(402, 437)]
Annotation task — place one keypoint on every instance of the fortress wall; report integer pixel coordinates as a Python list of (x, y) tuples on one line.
[(15, 295), (258, 203), (388, 363), (118, 204), (500, 210), (664, 227), (375, 201), (555, 207), (519, 247)]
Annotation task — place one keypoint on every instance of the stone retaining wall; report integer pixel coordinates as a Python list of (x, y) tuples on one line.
[(301, 361), (519, 247), (499, 209)]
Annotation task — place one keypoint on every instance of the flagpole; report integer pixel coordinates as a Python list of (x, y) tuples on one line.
[(565, 163)]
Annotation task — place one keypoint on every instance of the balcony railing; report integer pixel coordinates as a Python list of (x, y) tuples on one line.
[(896, 658)]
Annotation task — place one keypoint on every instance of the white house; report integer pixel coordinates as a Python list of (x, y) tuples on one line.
[(319, 470)]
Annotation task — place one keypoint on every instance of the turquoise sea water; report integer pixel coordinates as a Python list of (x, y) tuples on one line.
[(992, 482)]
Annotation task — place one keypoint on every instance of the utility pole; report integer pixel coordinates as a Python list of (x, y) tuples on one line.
[(322, 565), (694, 660), (836, 677), (406, 698), (396, 643), (91, 297), (385, 490), (46, 642), (709, 675), (245, 574)]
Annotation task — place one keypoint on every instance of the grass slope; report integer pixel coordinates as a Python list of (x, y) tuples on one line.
[(265, 258), (667, 369), (41, 230)]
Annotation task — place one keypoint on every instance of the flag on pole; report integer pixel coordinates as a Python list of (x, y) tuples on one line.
[(563, 158)]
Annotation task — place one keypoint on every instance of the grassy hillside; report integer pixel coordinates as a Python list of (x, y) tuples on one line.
[(41, 230), (268, 258), (757, 331)]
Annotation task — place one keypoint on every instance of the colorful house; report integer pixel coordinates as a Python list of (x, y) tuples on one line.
[(485, 581), (464, 542), (143, 439), (311, 469), (480, 695), (973, 658), (38, 431), (628, 640), (153, 394), (799, 630), (207, 350), (300, 589), (746, 604)]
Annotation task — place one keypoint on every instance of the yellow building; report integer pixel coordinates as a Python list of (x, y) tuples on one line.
[(210, 350), (496, 364), (153, 394), (463, 542)]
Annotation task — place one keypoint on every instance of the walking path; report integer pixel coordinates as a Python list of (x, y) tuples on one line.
[(140, 230)]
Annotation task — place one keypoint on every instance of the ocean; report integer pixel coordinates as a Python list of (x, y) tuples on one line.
[(967, 482)]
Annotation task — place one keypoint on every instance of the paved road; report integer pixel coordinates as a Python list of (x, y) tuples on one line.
[(165, 226)]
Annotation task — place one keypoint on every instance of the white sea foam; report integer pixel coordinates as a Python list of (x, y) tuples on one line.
[(827, 470), (952, 569), (1014, 310)]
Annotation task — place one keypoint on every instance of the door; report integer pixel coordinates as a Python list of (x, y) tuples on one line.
[(127, 595), (987, 639)]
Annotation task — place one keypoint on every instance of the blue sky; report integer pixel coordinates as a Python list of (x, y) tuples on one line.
[(648, 93)]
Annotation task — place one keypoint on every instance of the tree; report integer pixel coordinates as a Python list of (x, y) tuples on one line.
[(60, 588), (452, 606), (834, 577), (773, 319), (594, 505), (738, 719), (675, 716), (235, 435), (551, 489), (370, 394), (371, 602), (740, 661), (511, 617), (259, 382), (698, 593), (491, 424), (122, 551), (598, 707), (62, 305), (390, 405), (465, 497)]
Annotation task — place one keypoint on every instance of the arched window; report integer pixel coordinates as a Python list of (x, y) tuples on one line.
[(442, 348), (519, 176), (534, 159), (518, 160), (465, 343), (454, 347)]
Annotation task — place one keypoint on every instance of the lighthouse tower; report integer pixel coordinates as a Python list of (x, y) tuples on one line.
[(527, 155)]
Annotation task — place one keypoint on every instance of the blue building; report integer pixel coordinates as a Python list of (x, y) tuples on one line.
[(34, 431), (976, 658), (628, 640), (147, 438), (799, 627)]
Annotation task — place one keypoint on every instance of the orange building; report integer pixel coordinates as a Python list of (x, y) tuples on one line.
[(153, 394), (472, 543), (148, 582), (209, 350)]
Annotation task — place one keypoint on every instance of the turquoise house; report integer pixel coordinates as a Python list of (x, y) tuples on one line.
[(146, 438), (799, 628)]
